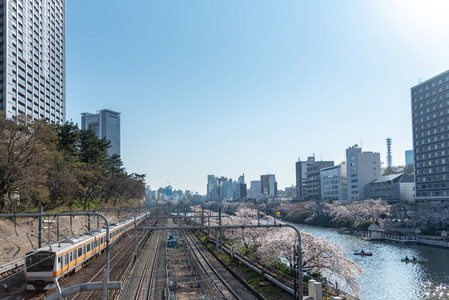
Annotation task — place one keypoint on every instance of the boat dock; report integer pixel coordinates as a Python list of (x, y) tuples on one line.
[(376, 233)]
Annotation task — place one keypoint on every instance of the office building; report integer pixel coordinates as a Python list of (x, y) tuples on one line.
[(241, 178), (290, 192), (391, 187), (254, 189), (313, 181), (230, 190), (169, 191), (334, 183), (268, 185), (362, 168), (301, 169), (222, 183), (430, 124), (409, 157), (212, 188), (33, 60), (240, 188), (147, 192), (105, 124)]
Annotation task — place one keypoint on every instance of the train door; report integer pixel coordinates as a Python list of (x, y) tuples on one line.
[(60, 262), (80, 252), (66, 260)]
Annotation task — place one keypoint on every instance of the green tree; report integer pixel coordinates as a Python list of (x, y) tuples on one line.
[(116, 165), (93, 171), (26, 154), (92, 150), (69, 138)]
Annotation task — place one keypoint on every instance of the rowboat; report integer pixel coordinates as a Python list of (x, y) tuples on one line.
[(363, 254), (418, 261)]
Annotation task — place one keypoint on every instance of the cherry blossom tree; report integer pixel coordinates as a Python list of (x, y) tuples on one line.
[(361, 211), (271, 245), (428, 214)]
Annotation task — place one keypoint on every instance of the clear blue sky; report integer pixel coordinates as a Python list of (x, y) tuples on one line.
[(231, 87)]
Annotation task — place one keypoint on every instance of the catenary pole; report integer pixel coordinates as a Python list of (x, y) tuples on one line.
[(41, 215)]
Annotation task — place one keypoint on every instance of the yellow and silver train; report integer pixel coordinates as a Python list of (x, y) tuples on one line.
[(70, 255)]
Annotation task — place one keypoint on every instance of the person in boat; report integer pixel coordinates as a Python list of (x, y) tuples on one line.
[(406, 258), (414, 258), (363, 252)]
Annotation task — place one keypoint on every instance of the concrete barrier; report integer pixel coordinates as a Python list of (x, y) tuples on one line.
[(315, 290)]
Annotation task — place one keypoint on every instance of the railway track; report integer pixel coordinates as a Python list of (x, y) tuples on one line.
[(94, 269), (71, 280), (117, 268), (115, 263), (146, 283), (225, 289)]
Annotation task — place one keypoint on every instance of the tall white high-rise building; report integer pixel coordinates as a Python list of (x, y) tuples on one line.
[(362, 168), (33, 60)]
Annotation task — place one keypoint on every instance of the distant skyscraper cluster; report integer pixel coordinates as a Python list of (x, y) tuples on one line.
[(105, 124), (168, 193), (33, 60), (222, 188)]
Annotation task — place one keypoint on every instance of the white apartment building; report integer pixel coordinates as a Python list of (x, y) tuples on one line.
[(362, 168)]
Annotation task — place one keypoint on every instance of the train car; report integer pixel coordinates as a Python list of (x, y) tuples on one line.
[(173, 242), (70, 255)]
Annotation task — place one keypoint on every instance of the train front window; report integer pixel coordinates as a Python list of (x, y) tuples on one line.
[(40, 261)]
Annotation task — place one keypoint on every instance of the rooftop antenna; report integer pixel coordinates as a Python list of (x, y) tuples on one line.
[(361, 143)]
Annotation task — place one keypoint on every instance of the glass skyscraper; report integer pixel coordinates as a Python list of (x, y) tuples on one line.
[(33, 59), (105, 124)]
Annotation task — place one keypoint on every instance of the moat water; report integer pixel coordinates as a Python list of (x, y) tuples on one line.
[(386, 277)]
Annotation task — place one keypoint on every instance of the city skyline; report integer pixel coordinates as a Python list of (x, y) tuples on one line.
[(231, 88)]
